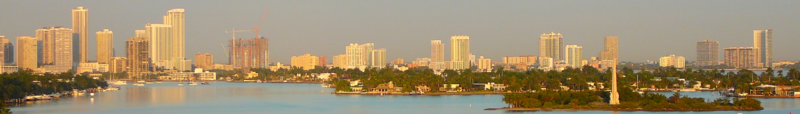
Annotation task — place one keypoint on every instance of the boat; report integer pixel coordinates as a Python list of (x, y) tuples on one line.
[(140, 81), (148, 82), (158, 82), (192, 82), (120, 83), (30, 98), (112, 88), (139, 84), (205, 83)]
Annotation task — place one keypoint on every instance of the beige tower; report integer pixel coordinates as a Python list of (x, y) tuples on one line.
[(611, 50), (26, 52), (550, 45), (105, 47), (459, 52), (378, 58), (574, 56), (437, 55), (137, 49), (80, 25), (204, 60), (707, 53)]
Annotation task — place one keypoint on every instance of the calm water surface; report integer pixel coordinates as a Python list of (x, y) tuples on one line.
[(221, 97)]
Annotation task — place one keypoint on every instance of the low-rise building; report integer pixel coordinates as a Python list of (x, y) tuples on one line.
[(386, 88), (451, 88)]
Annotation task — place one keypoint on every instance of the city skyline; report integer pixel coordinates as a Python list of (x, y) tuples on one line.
[(203, 30)]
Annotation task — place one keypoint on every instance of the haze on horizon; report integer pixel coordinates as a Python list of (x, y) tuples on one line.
[(647, 30)]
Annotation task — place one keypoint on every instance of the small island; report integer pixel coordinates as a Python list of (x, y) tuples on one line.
[(630, 101)]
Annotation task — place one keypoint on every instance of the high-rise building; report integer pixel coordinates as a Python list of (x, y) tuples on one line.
[(175, 18), (437, 55), (140, 33), (525, 59), (47, 36), (161, 45), (2, 52), (204, 60), (672, 60), (574, 56), (546, 63), (250, 53), (484, 64), (8, 51), (117, 64), (323, 61), (611, 50), (550, 45), (741, 57), (398, 61), (64, 52), (80, 25), (359, 55), (138, 52), (340, 61), (707, 53), (306, 61), (459, 52), (762, 41), (105, 47), (26, 53), (378, 58)]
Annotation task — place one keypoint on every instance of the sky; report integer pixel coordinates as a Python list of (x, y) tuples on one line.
[(647, 29)]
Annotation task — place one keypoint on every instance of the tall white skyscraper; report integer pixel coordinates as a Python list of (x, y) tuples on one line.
[(359, 55), (161, 45), (175, 18), (574, 56), (459, 52), (379, 58), (550, 45), (80, 25), (762, 41)]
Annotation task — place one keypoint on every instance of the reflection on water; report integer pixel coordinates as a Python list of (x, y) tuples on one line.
[(224, 97)]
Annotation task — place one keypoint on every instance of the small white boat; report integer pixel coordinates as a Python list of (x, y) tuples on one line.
[(158, 82), (140, 81), (30, 98), (120, 83), (148, 82), (180, 84), (192, 83), (139, 84), (91, 94)]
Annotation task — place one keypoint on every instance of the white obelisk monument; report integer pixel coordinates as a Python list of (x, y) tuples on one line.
[(614, 94)]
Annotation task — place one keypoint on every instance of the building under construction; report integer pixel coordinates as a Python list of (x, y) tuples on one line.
[(249, 53)]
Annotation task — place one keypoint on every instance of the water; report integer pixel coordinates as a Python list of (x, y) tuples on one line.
[(221, 97)]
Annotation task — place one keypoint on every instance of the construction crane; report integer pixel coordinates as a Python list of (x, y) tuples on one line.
[(233, 46), (255, 28), (226, 50)]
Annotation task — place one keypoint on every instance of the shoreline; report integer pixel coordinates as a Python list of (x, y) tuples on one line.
[(638, 109), (424, 94)]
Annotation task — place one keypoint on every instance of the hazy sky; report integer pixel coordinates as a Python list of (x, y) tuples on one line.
[(647, 29)]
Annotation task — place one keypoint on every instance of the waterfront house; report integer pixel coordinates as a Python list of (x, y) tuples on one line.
[(386, 88), (450, 88), (356, 85), (488, 86), (422, 88)]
